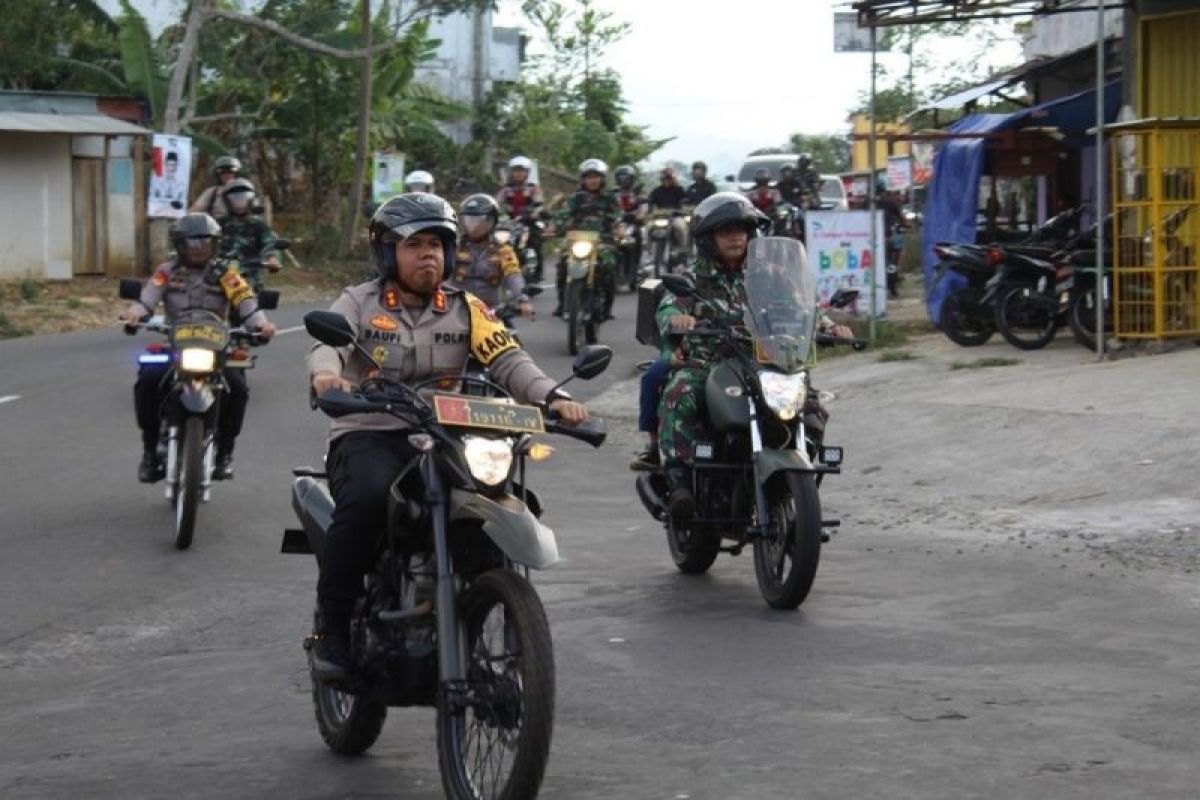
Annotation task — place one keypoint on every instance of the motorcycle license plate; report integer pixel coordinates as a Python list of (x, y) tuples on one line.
[(205, 333), (496, 415), (832, 456)]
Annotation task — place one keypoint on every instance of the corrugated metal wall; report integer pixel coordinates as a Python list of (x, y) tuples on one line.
[(1169, 55)]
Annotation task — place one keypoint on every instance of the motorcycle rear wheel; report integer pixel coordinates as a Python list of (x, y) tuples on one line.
[(348, 724), (188, 488), (785, 561), (496, 748), (1023, 321), (963, 321), (1083, 318), (692, 552)]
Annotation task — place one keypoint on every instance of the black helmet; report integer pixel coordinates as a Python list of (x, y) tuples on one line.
[(762, 174), (226, 163), (625, 175), (479, 205), (401, 217), (195, 226), (699, 165), (786, 168), (719, 210), (802, 159)]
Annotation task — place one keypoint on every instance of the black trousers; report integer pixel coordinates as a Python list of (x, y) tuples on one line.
[(361, 468), (150, 390)]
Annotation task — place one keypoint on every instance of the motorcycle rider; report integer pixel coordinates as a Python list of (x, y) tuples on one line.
[(416, 328), (211, 201), (632, 204), (721, 227), (809, 180), (591, 208), (194, 278), (521, 199), (701, 188), (764, 196), (246, 238), (483, 266), (418, 181), (668, 194)]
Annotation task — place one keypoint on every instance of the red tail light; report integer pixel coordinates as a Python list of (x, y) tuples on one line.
[(241, 354), (155, 347), (995, 256)]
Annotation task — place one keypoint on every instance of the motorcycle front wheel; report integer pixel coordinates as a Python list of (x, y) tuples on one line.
[(496, 745), (574, 316), (1024, 319), (189, 485), (785, 560), (1083, 318), (963, 320)]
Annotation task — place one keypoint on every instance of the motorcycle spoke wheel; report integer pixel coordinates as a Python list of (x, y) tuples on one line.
[(495, 747), (963, 320), (348, 723), (1023, 320), (786, 558), (189, 487), (574, 316)]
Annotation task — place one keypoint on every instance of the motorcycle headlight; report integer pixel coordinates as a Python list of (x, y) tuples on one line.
[(581, 249), (503, 237), (784, 393), (197, 359), (660, 223), (489, 460)]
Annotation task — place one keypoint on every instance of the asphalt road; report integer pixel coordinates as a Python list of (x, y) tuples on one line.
[(917, 668)]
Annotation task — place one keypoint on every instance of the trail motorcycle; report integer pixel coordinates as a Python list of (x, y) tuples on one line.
[(627, 233), (667, 232), (522, 237), (201, 345), (583, 309), (967, 315), (757, 469), (786, 220), (449, 618)]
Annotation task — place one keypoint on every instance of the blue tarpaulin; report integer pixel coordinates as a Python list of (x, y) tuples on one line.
[(954, 191)]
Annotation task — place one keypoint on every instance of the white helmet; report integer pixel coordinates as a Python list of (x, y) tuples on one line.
[(418, 181), (593, 165), (520, 162)]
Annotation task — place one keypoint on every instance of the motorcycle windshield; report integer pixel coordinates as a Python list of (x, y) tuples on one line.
[(781, 302)]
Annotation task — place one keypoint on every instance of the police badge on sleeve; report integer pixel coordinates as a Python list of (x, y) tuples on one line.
[(489, 338)]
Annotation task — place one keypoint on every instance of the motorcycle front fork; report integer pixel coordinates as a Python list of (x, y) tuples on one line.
[(172, 463)]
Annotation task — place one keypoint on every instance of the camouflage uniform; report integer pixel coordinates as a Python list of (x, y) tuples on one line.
[(680, 414), (592, 211), (244, 239), (482, 268)]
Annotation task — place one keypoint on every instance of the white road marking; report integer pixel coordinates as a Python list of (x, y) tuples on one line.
[(8, 398), (293, 329)]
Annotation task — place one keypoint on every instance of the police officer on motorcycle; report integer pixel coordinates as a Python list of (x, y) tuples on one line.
[(416, 328), (194, 278), (483, 266)]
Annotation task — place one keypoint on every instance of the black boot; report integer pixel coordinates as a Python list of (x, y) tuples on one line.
[(150, 470), (680, 501), (223, 468), (331, 655)]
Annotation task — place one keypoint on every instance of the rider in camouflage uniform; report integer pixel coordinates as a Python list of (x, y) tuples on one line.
[(247, 239), (591, 209)]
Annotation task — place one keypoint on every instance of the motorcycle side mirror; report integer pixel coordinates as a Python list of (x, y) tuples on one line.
[(329, 327), (129, 289), (679, 285), (533, 290), (843, 297), (591, 361), (268, 299)]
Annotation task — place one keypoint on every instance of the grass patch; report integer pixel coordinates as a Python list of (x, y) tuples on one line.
[(29, 290), (74, 302), (8, 330), (983, 363), (896, 355)]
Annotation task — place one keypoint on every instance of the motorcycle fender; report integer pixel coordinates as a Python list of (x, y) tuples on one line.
[(510, 524), (577, 269), (195, 399), (769, 462)]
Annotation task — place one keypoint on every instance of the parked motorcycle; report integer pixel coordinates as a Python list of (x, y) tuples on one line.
[(450, 618), (200, 346), (1031, 297), (757, 469)]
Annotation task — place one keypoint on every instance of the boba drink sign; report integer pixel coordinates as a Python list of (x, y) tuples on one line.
[(839, 252)]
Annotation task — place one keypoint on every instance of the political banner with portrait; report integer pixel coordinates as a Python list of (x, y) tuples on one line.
[(171, 164), (387, 178), (839, 252)]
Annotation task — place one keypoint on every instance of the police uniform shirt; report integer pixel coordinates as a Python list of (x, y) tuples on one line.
[(215, 287)]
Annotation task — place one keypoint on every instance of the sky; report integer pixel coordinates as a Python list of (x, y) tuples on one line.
[(722, 78)]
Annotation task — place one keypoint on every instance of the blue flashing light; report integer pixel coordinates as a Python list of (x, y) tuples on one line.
[(154, 358)]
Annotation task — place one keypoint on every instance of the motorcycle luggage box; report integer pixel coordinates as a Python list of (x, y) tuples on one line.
[(650, 294)]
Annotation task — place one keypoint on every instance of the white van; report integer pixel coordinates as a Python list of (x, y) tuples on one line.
[(833, 193)]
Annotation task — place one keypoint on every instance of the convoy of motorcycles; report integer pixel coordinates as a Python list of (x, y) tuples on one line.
[(1028, 288)]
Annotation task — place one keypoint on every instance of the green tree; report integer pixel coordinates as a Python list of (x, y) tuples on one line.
[(830, 152)]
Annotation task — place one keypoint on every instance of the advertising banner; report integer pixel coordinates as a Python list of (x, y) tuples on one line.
[(839, 251), (899, 173), (387, 176), (171, 164)]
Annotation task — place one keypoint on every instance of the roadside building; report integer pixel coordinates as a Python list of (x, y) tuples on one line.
[(73, 201)]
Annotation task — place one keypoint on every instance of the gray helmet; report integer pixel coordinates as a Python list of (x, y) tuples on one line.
[(762, 174), (625, 175), (719, 210), (401, 217), (226, 163), (480, 205), (194, 226), (237, 185)]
